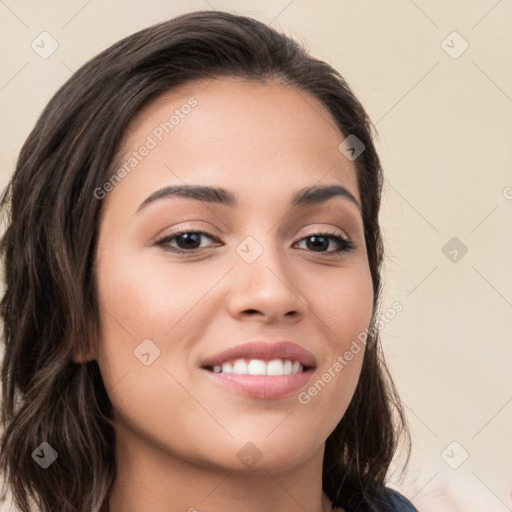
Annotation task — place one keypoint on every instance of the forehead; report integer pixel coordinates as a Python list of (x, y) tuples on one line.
[(250, 137)]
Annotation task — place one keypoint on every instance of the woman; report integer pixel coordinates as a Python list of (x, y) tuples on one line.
[(192, 272)]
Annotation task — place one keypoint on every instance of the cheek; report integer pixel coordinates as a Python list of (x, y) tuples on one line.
[(146, 318), (149, 307), (147, 299), (347, 308), (345, 313)]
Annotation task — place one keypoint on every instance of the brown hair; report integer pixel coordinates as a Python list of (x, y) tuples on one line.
[(49, 307)]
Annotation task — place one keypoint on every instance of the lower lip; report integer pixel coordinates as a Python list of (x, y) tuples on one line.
[(262, 386)]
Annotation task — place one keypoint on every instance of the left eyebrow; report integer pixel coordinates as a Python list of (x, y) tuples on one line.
[(315, 195), (305, 197)]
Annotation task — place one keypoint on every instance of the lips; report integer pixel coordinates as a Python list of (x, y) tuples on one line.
[(262, 386), (285, 350)]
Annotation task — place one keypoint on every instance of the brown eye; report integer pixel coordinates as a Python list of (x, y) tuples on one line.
[(184, 241), (320, 242)]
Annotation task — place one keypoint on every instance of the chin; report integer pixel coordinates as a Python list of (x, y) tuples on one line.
[(272, 454)]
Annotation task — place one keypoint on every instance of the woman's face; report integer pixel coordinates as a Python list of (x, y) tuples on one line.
[(197, 329)]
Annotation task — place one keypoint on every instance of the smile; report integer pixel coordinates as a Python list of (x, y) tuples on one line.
[(261, 369), (274, 367)]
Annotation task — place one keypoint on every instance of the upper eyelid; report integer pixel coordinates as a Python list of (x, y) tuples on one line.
[(319, 231)]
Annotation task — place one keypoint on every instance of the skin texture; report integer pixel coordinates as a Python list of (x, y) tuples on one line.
[(177, 431)]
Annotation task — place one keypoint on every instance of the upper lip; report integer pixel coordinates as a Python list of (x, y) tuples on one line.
[(265, 351)]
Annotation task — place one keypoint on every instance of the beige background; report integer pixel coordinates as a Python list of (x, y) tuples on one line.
[(445, 127)]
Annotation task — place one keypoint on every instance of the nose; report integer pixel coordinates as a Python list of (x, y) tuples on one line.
[(266, 289)]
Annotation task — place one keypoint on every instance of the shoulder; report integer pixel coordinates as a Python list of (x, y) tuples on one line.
[(392, 501)]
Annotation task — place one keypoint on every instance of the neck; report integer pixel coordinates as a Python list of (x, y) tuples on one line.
[(149, 478)]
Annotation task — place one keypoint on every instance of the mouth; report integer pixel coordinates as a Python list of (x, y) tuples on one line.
[(275, 367), (262, 370)]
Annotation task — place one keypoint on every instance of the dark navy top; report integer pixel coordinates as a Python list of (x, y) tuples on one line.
[(397, 503), (387, 501)]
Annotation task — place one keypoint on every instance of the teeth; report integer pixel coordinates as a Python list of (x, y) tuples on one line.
[(240, 367), (275, 367), (256, 367), (227, 368), (259, 367)]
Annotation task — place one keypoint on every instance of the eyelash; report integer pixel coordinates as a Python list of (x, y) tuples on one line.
[(345, 245)]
